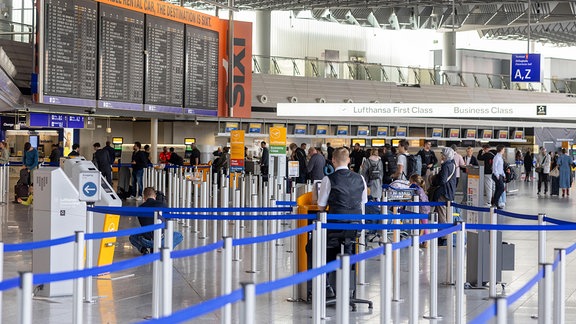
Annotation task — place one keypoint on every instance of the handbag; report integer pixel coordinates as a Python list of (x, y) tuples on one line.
[(555, 173), (538, 169)]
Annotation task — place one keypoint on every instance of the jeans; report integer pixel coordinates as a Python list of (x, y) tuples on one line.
[(137, 180), (543, 178), (499, 182), (140, 242)]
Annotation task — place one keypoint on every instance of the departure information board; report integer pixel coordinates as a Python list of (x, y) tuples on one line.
[(121, 58), (165, 65), (70, 52), (201, 88)]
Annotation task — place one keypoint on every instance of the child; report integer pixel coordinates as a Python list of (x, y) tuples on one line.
[(417, 182), (30, 199)]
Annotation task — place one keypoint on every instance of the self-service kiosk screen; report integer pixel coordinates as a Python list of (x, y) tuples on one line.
[(34, 141)]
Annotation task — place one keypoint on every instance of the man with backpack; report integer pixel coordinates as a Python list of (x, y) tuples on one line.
[(428, 158), (372, 170), (487, 157), (406, 164), (389, 164)]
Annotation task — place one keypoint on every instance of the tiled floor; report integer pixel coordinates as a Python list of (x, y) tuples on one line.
[(127, 297)]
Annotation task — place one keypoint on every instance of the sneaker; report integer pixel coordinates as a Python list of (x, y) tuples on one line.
[(131, 198), (139, 198), (144, 251)]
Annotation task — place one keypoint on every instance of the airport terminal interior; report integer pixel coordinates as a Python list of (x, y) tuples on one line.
[(218, 80)]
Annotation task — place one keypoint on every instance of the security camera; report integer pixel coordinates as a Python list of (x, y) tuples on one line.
[(90, 111), (6, 15)]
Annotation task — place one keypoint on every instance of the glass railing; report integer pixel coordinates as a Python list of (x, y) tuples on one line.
[(410, 76), (16, 31)]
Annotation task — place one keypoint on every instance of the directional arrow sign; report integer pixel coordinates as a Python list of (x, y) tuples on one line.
[(89, 189)]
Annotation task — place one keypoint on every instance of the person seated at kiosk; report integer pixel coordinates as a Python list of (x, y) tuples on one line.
[(144, 242), (344, 192)]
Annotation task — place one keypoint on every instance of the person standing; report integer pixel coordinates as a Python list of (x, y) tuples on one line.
[(102, 161), (5, 153), (402, 161), (373, 170), (330, 151), (164, 155), (528, 160), (55, 155), (389, 163), (111, 152), (487, 157), (30, 160), (75, 151), (315, 166), (565, 168), (357, 157), (445, 181), (298, 154), (543, 162), (458, 161), (264, 161), (429, 159), (195, 155), (498, 176), (139, 162), (470, 159)]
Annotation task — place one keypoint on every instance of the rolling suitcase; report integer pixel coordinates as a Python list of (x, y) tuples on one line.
[(555, 186)]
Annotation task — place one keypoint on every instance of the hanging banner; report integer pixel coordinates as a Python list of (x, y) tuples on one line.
[(518, 134), (401, 131), (342, 130), (300, 130), (382, 131), (454, 133), (437, 132), (503, 134), (237, 151), (322, 130), (363, 131), (487, 134), (470, 133), (278, 141)]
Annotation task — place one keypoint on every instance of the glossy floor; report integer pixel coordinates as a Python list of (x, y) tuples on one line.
[(125, 297)]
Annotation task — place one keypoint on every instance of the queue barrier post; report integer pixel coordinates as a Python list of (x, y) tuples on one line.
[(384, 211), (460, 264), (227, 278), (25, 298), (156, 271), (449, 247), (271, 245), (249, 303), (253, 247), (204, 204), (396, 257), (196, 203), (413, 282), (79, 244), (224, 203), (560, 287), (541, 260), (89, 256), (166, 281), (343, 290), (316, 281), (1, 273), (433, 252), (386, 284), (323, 250), (215, 205), (501, 310), (188, 201), (493, 254), (545, 315)]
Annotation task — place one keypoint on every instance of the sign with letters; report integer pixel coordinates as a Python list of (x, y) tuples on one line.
[(278, 140), (525, 68), (89, 185)]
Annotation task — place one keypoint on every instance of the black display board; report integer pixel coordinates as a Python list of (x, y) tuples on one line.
[(121, 43), (164, 65), (70, 47), (201, 86)]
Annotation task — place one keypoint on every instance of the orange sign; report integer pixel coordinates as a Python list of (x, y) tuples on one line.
[(237, 150), (242, 71)]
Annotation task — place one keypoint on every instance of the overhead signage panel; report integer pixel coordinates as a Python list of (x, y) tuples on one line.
[(422, 110), (525, 68)]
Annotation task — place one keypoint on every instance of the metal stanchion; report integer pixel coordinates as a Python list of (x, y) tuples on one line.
[(227, 278), (413, 282), (169, 234), (224, 204), (25, 298), (170, 192), (156, 271), (253, 247), (396, 257), (264, 203), (323, 277), (188, 200), (560, 287), (460, 264), (89, 256), (384, 211), (361, 266), (249, 303), (386, 284), (433, 253), (316, 281), (237, 234), (215, 205), (196, 203), (545, 314), (501, 310), (203, 204), (493, 254), (1, 273), (541, 260), (449, 247), (78, 282), (166, 282), (343, 290)]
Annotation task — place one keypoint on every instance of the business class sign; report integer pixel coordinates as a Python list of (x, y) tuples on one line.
[(420, 110)]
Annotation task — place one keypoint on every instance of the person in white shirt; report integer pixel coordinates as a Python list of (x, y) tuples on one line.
[(402, 161), (543, 162), (498, 175), (458, 161)]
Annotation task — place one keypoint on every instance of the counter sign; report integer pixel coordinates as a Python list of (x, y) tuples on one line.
[(89, 185), (525, 68)]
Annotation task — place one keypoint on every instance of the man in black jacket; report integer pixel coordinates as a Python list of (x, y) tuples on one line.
[(144, 242), (298, 154), (357, 157), (102, 161), (428, 157), (487, 156), (264, 161), (139, 162)]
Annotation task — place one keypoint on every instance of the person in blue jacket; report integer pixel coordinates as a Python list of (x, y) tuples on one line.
[(30, 160)]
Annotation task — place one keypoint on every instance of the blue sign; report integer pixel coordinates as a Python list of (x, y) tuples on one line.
[(89, 189), (525, 68)]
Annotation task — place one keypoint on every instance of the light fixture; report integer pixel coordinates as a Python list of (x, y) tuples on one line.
[(262, 98), (348, 100), (375, 101), (293, 99), (108, 128), (133, 119), (321, 100), (196, 120)]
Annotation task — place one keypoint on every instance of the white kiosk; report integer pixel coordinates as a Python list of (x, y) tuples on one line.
[(57, 212)]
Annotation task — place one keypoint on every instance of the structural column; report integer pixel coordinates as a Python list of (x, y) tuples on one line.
[(154, 140), (262, 39), (449, 51)]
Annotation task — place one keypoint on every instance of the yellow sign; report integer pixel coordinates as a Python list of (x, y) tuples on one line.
[(278, 140), (237, 145), (471, 133), (518, 134), (503, 134), (487, 134), (107, 245)]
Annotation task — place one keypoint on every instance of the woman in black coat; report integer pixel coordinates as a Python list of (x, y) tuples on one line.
[(528, 160)]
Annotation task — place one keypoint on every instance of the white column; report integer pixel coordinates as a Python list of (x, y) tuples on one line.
[(154, 140)]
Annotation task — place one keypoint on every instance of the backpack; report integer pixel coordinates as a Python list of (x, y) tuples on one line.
[(328, 168), (374, 170), (414, 165), (509, 173), (389, 164)]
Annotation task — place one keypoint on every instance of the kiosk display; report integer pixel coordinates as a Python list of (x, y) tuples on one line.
[(70, 52), (164, 81), (121, 58)]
